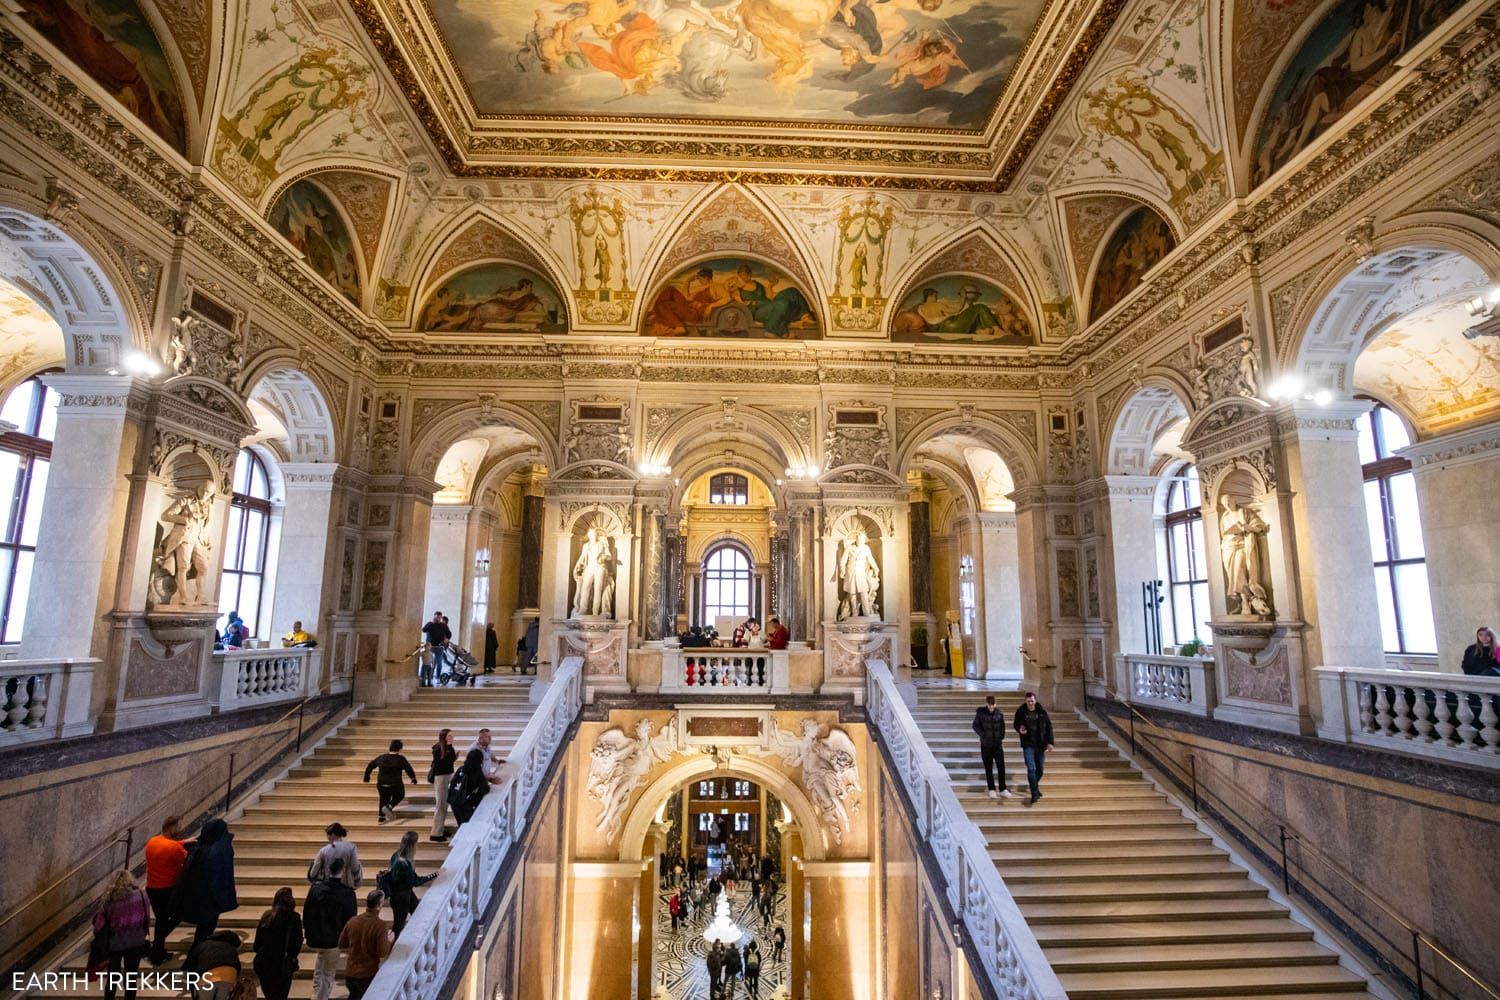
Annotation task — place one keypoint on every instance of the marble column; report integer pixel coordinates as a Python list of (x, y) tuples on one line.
[(1036, 599), (84, 515), (1131, 556), (802, 580), (919, 524), (301, 570), (1000, 595), (392, 589), (654, 599), (1336, 582), (1456, 475), (447, 564), (528, 590)]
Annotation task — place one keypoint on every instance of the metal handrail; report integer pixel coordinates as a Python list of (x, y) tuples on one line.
[(1290, 832), (129, 836)]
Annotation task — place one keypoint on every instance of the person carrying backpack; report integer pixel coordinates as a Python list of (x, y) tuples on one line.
[(330, 904)]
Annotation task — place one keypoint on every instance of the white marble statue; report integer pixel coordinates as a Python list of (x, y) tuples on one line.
[(859, 579), (180, 356), (1240, 532), (594, 575), (186, 544), (830, 770), (618, 764)]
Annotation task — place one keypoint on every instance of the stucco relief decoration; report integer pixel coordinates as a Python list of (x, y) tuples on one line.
[(1258, 677), (617, 765), (599, 432), (1233, 370), (830, 770), (603, 293), (184, 548), (195, 347), (850, 443), (859, 270)]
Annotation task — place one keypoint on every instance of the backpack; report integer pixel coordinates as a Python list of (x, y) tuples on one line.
[(383, 882)]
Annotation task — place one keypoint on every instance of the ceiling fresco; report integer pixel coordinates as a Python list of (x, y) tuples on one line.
[(898, 62)]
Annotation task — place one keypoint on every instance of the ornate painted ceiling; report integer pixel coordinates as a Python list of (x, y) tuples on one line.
[(910, 88)]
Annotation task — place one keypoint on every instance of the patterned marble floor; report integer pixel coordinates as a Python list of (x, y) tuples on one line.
[(680, 971)]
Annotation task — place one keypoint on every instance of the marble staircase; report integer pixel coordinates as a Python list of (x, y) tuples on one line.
[(1126, 895), (279, 829)]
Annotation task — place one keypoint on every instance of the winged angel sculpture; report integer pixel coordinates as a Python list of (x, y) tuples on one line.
[(830, 770), (619, 763)]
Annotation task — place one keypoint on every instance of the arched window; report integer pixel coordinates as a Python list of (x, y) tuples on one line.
[(1187, 571), (726, 583), (1395, 535), (243, 586), (727, 487), (968, 596), (25, 454)]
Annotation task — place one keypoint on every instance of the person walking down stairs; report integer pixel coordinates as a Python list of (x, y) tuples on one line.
[(278, 941), (391, 765), (206, 890), (121, 923), (166, 853), (351, 873), (1035, 727), (330, 904), (368, 939), (989, 726)]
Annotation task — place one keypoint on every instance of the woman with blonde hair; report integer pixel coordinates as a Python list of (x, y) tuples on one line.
[(404, 880), (121, 923)]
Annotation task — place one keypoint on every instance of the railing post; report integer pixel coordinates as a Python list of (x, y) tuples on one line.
[(229, 785), (1132, 734), (1193, 767), (301, 710), (1286, 872), (1416, 956)]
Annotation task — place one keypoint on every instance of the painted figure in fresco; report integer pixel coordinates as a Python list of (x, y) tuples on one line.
[(1240, 531), (676, 308), (1138, 245), (965, 318), (857, 267), (776, 312), (305, 216), (638, 55), (186, 544), (594, 574), (491, 297), (926, 60), (601, 260)]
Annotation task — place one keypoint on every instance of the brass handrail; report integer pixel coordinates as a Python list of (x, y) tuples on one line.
[(1290, 831), (109, 845)]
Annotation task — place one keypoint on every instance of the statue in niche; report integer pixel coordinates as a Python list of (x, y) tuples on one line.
[(859, 578), (183, 552), (1240, 532), (180, 356), (594, 577), (1247, 371)]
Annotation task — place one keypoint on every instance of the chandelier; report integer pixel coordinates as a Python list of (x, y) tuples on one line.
[(722, 929)]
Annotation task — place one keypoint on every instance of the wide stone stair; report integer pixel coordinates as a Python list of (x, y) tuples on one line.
[(281, 828), (1127, 897)]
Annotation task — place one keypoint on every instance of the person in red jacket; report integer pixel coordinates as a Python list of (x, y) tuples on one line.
[(779, 637), (166, 853)]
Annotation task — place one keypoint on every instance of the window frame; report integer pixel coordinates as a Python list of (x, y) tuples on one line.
[(235, 546), (729, 489), (1187, 519), (711, 610), (32, 450), (1382, 470)]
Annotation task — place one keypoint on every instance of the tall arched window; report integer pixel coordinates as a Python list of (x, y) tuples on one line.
[(1395, 535), (249, 534), (25, 454), (726, 583), (1187, 572), (727, 487), (968, 596)]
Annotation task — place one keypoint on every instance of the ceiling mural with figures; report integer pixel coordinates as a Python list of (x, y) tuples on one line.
[(494, 298), (732, 297), (962, 309), (306, 216), (898, 62)]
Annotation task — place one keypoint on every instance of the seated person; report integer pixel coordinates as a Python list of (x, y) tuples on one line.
[(236, 634), (298, 636), (695, 639), (741, 637), (780, 636)]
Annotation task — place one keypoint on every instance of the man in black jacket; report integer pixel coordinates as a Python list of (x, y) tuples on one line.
[(388, 783), (1035, 727), (989, 725), (330, 904)]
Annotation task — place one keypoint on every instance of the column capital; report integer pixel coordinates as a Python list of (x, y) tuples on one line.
[(452, 512), (1473, 444), (98, 395), (1328, 422), (987, 520), (1131, 488), (309, 475)]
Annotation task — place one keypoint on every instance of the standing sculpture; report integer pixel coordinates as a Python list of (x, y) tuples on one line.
[(186, 544), (830, 770), (859, 579), (594, 575), (1240, 532), (618, 763)]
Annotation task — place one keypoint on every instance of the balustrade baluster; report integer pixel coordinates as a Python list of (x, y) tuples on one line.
[(1489, 736), (1466, 729), (36, 712), (1382, 710), (1401, 701), (17, 703), (1444, 719), (1423, 722)]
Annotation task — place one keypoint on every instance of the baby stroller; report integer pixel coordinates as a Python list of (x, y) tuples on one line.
[(461, 664)]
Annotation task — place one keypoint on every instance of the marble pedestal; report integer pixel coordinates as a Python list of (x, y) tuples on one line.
[(604, 645), (1260, 674), (164, 656), (848, 645)]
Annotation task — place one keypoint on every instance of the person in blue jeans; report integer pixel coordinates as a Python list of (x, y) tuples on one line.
[(1035, 729)]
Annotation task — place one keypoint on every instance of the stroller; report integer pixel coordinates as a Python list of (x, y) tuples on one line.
[(461, 664)]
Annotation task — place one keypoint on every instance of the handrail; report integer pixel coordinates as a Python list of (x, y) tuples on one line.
[(439, 933), (109, 846), (1004, 942), (1288, 831)]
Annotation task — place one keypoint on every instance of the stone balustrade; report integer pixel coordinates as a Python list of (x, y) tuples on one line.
[(440, 934), (1453, 717), (252, 677), (1180, 683), (45, 699), (1012, 959), (725, 671)]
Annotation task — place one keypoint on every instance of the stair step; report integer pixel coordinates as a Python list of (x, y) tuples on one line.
[(1201, 957), (1052, 910), (1144, 933), (1160, 984), (1158, 869)]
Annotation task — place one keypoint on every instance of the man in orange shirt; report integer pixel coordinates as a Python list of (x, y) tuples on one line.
[(165, 856)]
